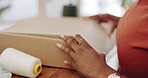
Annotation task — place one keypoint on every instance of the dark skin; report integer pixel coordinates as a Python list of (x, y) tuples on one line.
[(85, 59)]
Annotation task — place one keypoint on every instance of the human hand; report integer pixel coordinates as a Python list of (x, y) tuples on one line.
[(106, 18), (85, 59)]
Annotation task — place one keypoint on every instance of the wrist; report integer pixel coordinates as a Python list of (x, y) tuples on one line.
[(106, 72)]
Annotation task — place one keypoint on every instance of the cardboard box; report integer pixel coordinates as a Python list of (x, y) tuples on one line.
[(55, 26), (38, 37)]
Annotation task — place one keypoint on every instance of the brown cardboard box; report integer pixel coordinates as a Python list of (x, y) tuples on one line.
[(38, 37)]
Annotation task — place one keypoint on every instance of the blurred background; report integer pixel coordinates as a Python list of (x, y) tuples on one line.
[(14, 10)]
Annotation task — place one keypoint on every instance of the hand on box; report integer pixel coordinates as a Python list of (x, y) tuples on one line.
[(86, 60)]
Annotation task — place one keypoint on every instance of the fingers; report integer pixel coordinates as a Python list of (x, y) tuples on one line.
[(66, 50), (69, 52), (95, 18), (81, 40), (71, 41), (70, 63), (76, 42)]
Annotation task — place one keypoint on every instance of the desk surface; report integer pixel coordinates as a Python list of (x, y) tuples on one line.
[(49, 72)]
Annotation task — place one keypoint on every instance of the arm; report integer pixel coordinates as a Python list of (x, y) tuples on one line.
[(86, 60)]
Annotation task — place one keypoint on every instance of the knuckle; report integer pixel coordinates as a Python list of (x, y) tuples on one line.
[(76, 57), (71, 53), (74, 44), (69, 63), (77, 35), (70, 41), (79, 49), (63, 47), (67, 50), (74, 65), (65, 38)]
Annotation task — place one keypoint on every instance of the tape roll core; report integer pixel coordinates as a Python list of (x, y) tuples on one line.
[(37, 69)]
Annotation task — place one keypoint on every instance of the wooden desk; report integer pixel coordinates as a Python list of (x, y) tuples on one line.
[(49, 72)]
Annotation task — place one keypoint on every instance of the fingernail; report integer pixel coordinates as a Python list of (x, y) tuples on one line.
[(59, 45), (65, 62), (62, 36), (103, 52)]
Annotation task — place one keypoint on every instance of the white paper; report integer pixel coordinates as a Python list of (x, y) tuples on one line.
[(96, 36)]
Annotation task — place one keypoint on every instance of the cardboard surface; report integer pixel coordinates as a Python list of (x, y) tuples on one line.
[(38, 37), (56, 26)]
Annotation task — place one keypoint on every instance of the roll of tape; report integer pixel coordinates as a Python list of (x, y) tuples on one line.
[(20, 63)]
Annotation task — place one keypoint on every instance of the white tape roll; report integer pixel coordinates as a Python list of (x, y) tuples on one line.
[(20, 63)]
